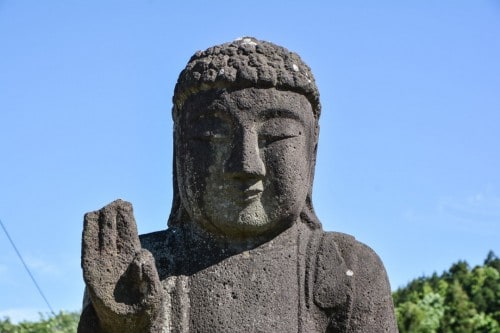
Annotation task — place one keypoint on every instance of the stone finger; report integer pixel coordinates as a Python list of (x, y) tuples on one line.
[(149, 272), (107, 230), (127, 241), (90, 240)]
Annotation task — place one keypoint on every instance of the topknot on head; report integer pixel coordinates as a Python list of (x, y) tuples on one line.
[(243, 63)]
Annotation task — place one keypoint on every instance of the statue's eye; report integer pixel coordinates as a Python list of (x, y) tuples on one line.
[(211, 129), (211, 135), (278, 129)]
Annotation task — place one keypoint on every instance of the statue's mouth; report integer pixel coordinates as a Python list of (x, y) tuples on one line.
[(244, 194), (251, 195)]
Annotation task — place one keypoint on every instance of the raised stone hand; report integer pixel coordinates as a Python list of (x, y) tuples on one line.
[(121, 277)]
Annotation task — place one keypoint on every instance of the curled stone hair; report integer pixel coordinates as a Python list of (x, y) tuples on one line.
[(244, 63)]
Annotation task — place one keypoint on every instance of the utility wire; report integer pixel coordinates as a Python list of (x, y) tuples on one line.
[(27, 269)]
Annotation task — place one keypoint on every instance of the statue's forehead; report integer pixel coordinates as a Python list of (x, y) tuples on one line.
[(247, 100)]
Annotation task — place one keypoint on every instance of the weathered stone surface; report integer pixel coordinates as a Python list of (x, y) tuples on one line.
[(244, 250), (121, 277)]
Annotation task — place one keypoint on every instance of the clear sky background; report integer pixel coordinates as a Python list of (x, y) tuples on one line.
[(408, 159)]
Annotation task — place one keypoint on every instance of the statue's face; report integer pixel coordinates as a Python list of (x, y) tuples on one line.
[(244, 159)]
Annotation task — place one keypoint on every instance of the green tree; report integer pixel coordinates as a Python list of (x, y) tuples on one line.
[(460, 300), (492, 261), (483, 323), (60, 323), (485, 289), (424, 316), (459, 310)]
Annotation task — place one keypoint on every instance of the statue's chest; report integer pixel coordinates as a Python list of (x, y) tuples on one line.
[(255, 291)]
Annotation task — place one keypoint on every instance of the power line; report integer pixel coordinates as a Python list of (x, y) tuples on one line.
[(27, 269)]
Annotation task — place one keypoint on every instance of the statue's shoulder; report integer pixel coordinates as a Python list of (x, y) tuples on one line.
[(167, 248), (341, 257), (352, 251), (159, 241), (351, 280), (333, 283), (153, 240)]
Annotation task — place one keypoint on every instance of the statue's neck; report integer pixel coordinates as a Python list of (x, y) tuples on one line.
[(196, 236)]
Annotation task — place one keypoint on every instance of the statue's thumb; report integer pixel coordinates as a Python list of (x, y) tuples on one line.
[(143, 271)]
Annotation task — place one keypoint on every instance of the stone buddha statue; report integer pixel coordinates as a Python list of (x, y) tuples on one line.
[(244, 250)]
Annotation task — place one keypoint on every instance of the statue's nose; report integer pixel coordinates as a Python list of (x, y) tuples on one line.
[(245, 160)]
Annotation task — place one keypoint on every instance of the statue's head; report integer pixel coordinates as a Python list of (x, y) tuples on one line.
[(246, 129)]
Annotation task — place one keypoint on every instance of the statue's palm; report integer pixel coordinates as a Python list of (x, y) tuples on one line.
[(121, 277)]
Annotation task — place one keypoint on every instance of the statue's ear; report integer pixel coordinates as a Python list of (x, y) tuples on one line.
[(174, 218), (333, 286)]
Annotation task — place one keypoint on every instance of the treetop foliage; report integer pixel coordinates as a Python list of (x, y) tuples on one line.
[(63, 322), (460, 300)]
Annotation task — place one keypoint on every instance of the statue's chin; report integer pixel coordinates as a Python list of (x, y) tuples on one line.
[(242, 221), (246, 227)]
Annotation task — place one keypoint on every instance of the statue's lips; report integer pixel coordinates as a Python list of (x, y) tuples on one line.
[(244, 194)]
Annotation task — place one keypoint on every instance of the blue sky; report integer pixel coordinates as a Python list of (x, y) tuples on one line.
[(408, 158)]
